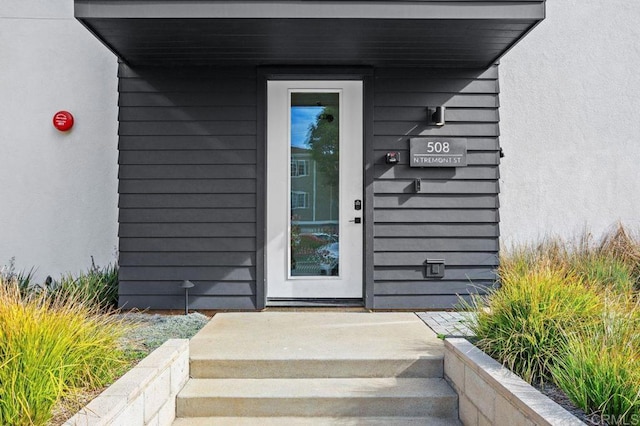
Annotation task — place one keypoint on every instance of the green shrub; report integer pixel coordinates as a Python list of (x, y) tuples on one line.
[(49, 346), (98, 285), (599, 368), (23, 280), (522, 323), (604, 271)]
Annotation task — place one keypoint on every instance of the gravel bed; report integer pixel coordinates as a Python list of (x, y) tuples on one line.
[(558, 396), (152, 330)]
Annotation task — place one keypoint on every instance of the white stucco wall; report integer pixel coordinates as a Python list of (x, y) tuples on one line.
[(570, 122), (58, 191)]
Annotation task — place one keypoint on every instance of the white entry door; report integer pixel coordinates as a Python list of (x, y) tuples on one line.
[(314, 189)]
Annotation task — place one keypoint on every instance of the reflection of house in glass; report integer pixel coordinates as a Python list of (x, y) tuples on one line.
[(314, 217), (313, 202)]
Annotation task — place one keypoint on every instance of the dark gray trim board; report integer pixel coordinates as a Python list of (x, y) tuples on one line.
[(451, 34), (441, 9)]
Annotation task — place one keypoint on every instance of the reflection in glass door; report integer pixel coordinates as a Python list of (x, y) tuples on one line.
[(314, 201)]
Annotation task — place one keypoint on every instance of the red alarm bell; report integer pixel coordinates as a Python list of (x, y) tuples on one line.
[(63, 120)]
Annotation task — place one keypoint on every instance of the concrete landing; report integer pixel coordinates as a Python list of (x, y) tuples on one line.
[(308, 344)]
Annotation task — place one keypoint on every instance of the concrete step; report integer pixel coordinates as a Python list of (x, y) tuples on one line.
[(316, 421), (428, 366), (332, 397)]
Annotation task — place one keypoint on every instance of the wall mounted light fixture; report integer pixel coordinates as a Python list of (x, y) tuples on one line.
[(435, 116)]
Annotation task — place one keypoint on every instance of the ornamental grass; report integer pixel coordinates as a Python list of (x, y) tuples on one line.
[(522, 324), (51, 345), (569, 312), (599, 366)]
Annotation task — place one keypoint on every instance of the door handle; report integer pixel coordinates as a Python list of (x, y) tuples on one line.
[(356, 220)]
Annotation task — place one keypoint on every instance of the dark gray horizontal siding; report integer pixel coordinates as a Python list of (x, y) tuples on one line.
[(437, 230), (401, 128), (456, 115), (417, 273), (147, 300), (420, 287), (199, 244), (444, 201), (189, 114), (462, 258), (384, 171), (187, 185), (433, 215), (203, 288), (185, 142), (455, 215), (244, 97), (400, 186), (187, 157), (422, 244), (178, 171), (192, 128), (188, 258), (196, 230), (426, 300), (449, 100), (490, 73), (196, 273), (186, 200), (181, 215)]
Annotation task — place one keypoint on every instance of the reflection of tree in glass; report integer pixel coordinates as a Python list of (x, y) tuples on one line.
[(323, 139), (295, 240)]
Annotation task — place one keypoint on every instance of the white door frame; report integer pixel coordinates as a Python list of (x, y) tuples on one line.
[(349, 283)]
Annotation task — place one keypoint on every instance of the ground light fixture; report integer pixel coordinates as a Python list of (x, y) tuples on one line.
[(186, 284), (435, 115)]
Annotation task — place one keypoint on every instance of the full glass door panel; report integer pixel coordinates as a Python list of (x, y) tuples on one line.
[(314, 236), (314, 181)]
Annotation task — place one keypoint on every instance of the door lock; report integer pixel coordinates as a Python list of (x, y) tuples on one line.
[(356, 220), (357, 205)]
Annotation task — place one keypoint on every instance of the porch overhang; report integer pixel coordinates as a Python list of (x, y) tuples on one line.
[(449, 33)]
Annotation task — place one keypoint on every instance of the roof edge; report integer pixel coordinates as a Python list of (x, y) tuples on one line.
[(469, 9)]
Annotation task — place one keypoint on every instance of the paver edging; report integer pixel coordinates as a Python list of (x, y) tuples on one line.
[(519, 403), (134, 398)]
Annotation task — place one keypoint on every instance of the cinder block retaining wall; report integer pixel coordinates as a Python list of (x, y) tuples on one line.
[(490, 394), (146, 395)]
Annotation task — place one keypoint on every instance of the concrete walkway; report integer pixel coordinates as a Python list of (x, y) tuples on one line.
[(448, 324), (282, 336)]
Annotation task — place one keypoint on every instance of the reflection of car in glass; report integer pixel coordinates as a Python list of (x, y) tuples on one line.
[(323, 236), (328, 256)]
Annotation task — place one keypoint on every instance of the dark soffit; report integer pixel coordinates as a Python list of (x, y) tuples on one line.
[(453, 33)]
